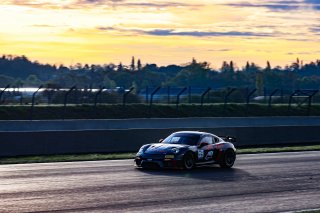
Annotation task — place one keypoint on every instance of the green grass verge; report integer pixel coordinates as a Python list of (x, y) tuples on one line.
[(65, 158), (309, 211), (278, 149), (114, 156)]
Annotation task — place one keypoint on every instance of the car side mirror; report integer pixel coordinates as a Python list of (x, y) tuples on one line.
[(202, 144), (160, 141)]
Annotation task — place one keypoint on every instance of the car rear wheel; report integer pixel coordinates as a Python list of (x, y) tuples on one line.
[(188, 162), (228, 159)]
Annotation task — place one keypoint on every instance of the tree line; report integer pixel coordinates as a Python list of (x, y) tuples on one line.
[(19, 71)]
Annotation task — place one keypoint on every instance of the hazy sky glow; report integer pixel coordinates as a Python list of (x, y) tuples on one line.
[(161, 31)]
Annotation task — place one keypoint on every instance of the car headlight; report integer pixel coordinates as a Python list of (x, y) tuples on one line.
[(175, 150)]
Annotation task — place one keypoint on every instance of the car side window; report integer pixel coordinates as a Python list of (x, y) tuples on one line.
[(207, 139), (216, 140)]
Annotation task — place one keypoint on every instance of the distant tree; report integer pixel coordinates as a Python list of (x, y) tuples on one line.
[(122, 79), (108, 83), (268, 68), (5, 80), (110, 67), (139, 66), (10, 57), (254, 68), (195, 74), (225, 67), (295, 66), (150, 67), (135, 86), (132, 66), (18, 82), (308, 82), (52, 84), (32, 81), (247, 68), (83, 81), (63, 69), (77, 66), (231, 67), (120, 67), (194, 61), (86, 67)]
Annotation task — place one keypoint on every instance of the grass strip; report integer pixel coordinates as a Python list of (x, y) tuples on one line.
[(309, 211), (115, 156), (278, 149)]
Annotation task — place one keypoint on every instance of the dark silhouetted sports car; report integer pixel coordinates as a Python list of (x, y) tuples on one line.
[(187, 149)]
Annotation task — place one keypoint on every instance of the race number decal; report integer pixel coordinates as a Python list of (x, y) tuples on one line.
[(200, 154)]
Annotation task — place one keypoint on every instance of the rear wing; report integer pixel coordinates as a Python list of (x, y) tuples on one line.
[(228, 139)]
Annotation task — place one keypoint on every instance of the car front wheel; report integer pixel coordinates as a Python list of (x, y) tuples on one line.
[(228, 159), (188, 162)]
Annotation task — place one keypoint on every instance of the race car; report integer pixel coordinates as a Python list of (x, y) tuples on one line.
[(186, 150)]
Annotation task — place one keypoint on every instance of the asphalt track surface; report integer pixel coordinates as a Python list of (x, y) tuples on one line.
[(281, 182)]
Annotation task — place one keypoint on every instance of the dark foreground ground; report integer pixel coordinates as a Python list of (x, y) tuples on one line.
[(278, 182)]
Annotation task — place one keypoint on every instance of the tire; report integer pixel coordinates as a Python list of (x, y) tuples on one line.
[(228, 159), (188, 161)]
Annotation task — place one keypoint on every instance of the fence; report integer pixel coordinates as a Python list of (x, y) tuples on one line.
[(158, 95)]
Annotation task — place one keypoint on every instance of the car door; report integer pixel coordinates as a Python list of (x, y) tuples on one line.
[(216, 147), (205, 149)]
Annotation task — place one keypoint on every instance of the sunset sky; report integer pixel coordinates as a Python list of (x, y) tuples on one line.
[(161, 31)]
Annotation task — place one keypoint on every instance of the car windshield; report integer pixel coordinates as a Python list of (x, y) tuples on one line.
[(182, 138)]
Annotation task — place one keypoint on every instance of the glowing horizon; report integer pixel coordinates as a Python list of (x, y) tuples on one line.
[(161, 32)]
